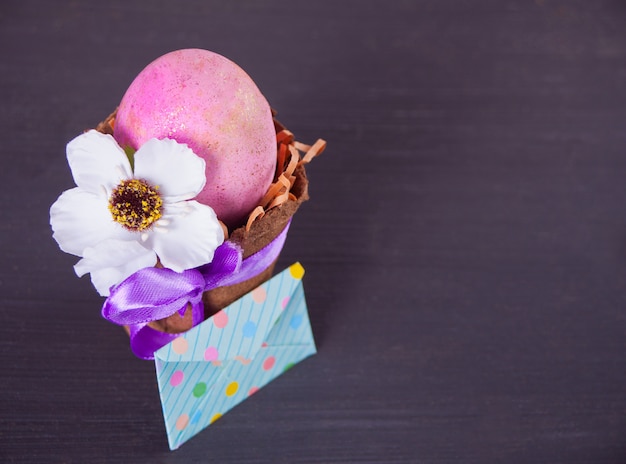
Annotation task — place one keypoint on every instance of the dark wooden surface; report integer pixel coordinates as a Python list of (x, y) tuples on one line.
[(465, 244)]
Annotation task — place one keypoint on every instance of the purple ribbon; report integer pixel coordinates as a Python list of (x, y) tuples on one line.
[(154, 293)]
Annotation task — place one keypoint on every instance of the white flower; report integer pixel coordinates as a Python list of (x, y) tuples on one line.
[(119, 221)]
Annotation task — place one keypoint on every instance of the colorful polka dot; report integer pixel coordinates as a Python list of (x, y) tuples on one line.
[(269, 363), (220, 319), (249, 329), (190, 403), (196, 417), (199, 389), (242, 360), (296, 321), (232, 388), (177, 378), (182, 422), (180, 345), (259, 295), (297, 271), (211, 354)]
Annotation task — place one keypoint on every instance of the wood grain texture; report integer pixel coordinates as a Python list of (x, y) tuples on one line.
[(465, 242)]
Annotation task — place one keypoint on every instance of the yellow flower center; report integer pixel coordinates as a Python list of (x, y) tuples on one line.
[(135, 204)]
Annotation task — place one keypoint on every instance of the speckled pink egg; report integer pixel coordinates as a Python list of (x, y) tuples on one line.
[(202, 99)]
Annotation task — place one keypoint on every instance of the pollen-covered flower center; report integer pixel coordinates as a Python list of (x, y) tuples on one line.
[(135, 204)]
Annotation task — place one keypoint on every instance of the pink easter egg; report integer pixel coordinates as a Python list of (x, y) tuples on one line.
[(202, 99)]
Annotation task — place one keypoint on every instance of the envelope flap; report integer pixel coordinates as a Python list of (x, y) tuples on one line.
[(239, 330)]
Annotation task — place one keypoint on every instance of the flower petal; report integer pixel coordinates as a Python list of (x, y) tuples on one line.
[(112, 261), (186, 236), (172, 166), (80, 219), (96, 160)]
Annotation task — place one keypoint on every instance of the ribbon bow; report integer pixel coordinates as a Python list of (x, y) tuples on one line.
[(154, 293)]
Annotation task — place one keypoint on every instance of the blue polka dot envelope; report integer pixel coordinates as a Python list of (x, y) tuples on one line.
[(219, 363)]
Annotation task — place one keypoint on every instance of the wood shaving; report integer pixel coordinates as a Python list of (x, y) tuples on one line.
[(290, 154)]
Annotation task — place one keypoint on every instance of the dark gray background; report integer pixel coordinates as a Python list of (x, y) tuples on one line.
[(465, 244)]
